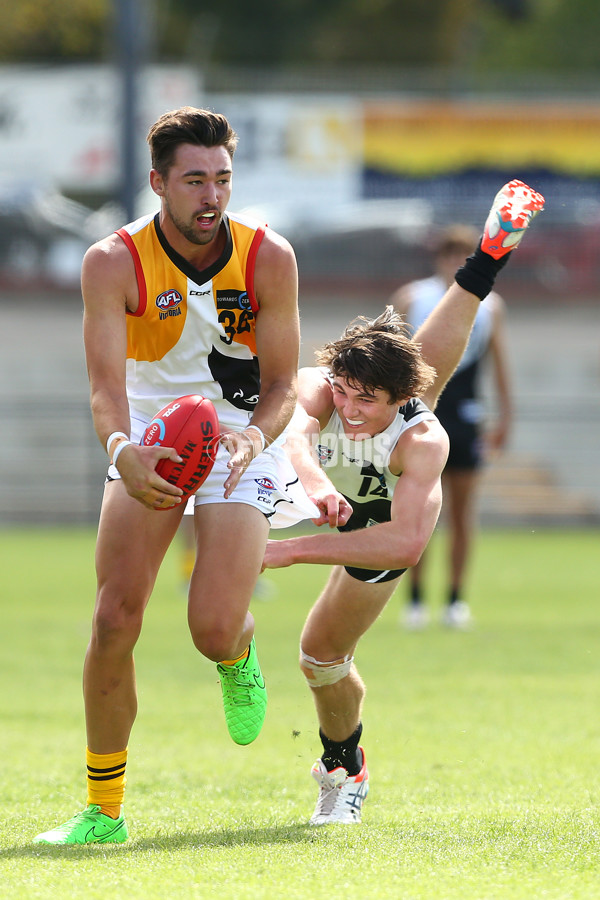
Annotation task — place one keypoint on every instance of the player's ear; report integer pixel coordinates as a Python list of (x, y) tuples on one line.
[(157, 182)]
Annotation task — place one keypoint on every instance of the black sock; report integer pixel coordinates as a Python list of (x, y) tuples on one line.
[(479, 271), (453, 596), (416, 596), (342, 753)]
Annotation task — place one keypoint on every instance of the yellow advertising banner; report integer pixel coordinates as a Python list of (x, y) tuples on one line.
[(428, 138)]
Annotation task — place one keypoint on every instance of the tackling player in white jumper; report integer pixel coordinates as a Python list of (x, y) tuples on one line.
[(364, 421)]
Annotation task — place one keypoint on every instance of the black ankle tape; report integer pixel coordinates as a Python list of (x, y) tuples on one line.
[(478, 274)]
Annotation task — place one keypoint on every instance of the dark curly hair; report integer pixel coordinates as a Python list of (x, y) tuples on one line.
[(379, 354)]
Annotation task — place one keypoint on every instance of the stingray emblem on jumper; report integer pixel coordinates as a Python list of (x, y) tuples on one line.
[(239, 379)]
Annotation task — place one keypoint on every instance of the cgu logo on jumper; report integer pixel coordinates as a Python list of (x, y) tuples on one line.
[(168, 304)]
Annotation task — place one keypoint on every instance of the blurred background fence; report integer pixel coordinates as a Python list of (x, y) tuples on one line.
[(361, 134)]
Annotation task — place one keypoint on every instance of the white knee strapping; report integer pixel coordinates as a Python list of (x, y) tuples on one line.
[(319, 673)]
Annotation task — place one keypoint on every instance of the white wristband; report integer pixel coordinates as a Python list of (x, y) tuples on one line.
[(118, 450), (115, 434), (263, 441)]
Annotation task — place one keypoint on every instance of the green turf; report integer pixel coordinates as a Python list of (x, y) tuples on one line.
[(483, 748)]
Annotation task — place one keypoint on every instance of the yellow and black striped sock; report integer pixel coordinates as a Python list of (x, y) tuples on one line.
[(106, 780)]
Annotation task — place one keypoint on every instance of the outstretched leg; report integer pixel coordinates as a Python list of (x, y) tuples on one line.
[(343, 613), (445, 333)]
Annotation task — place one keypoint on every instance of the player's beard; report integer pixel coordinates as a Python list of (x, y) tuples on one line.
[(190, 230)]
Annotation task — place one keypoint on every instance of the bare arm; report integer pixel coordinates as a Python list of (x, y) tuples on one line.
[(103, 283), (313, 410), (277, 334), (401, 300), (278, 346), (497, 436), (399, 543), (108, 284)]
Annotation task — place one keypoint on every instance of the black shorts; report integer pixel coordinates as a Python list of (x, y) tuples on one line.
[(466, 447), (363, 516)]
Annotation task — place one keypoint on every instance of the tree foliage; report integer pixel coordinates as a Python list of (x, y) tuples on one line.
[(44, 31), (510, 35), (555, 35)]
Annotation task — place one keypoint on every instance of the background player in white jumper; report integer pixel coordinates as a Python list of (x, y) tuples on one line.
[(461, 411)]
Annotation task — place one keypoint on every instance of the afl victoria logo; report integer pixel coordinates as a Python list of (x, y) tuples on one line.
[(168, 300), (265, 483)]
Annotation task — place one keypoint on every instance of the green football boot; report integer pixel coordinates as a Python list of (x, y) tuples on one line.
[(244, 697), (88, 827)]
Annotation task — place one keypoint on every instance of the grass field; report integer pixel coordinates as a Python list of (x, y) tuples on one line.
[(483, 747)]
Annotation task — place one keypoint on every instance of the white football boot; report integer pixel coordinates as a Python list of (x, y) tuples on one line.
[(341, 796)]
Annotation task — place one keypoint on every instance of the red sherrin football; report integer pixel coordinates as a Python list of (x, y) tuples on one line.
[(190, 425)]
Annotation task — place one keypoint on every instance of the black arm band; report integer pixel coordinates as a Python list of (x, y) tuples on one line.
[(479, 272)]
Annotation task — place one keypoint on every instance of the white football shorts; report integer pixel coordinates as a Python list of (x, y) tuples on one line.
[(270, 484)]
